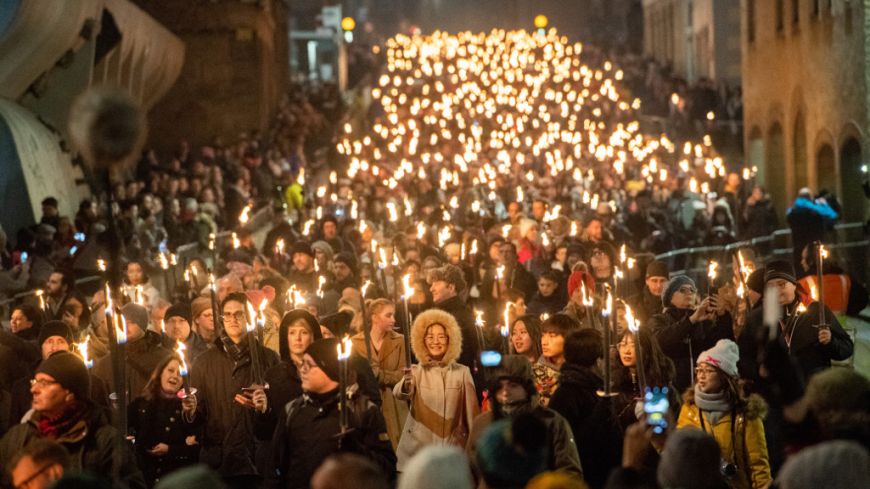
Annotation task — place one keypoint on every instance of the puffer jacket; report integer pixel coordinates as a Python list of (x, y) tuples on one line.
[(441, 394), (744, 445), (228, 444)]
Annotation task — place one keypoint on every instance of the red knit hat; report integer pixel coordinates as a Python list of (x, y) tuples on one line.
[(577, 278)]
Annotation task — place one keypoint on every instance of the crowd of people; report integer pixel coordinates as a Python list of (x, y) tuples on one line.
[(456, 287)]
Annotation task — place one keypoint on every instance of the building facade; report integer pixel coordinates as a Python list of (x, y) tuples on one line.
[(697, 38), (805, 97)]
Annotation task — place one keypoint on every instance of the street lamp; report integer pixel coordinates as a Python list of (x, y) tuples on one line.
[(541, 22), (347, 25)]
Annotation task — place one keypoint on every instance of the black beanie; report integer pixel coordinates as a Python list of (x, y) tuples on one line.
[(779, 269), (755, 281), (181, 310), (55, 328), (657, 268), (69, 371), (324, 352)]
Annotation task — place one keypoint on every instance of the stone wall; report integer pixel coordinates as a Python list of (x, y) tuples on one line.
[(804, 97), (235, 71)]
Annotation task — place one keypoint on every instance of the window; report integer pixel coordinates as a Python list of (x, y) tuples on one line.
[(750, 20), (780, 16)]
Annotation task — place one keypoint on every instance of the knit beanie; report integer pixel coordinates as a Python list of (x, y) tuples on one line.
[(513, 451), (526, 225), (199, 306), (134, 313), (755, 281), (840, 463), (69, 371), (55, 328), (516, 368), (301, 247), (724, 355), (181, 310), (577, 278), (657, 268), (690, 460), (324, 352), (673, 286), (436, 467), (348, 259), (323, 247), (779, 269)]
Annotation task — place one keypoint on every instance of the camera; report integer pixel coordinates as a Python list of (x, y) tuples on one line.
[(728, 470)]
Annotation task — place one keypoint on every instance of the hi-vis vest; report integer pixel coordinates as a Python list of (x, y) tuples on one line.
[(837, 287)]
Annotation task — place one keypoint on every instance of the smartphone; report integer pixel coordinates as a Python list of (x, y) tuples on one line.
[(72, 251), (23, 257), (490, 358), (79, 236), (656, 405)]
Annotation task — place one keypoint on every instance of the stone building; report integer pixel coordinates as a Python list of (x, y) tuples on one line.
[(235, 70), (805, 97), (696, 38)]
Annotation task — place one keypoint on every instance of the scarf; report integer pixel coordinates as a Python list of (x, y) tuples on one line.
[(714, 404), (238, 352), (63, 424)]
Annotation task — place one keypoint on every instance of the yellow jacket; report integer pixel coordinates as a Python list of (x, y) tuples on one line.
[(749, 448)]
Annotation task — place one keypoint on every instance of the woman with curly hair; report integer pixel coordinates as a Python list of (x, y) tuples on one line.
[(439, 389), (716, 405)]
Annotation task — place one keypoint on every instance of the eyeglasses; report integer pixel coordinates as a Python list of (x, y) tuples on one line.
[(236, 316), (688, 290), (704, 372), (439, 338), (306, 366), (42, 383), (26, 482)]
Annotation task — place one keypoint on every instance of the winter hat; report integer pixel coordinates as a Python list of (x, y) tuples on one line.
[(516, 368), (178, 310), (512, 452), (840, 463), (338, 323), (450, 274), (755, 281), (301, 247), (55, 328), (69, 371), (657, 268), (311, 322), (324, 352), (349, 260), (779, 269), (436, 467), (836, 390), (673, 286), (134, 313), (526, 225), (690, 460), (724, 355), (323, 247), (199, 306), (577, 278), (194, 477)]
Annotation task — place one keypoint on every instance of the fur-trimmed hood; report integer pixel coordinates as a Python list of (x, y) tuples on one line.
[(756, 407), (418, 330)]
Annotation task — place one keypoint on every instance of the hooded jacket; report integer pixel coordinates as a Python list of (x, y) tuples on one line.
[(441, 393), (745, 446)]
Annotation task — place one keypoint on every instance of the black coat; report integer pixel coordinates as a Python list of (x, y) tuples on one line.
[(306, 434), (161, 420), (683, 341), (92, 450), (596, 431), (646, 305), (799, 335), (462, 314), (142, 355), (228, 443), (550, 305)]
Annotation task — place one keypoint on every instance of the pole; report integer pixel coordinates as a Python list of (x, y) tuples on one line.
[(367, 321), (820, 278)]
